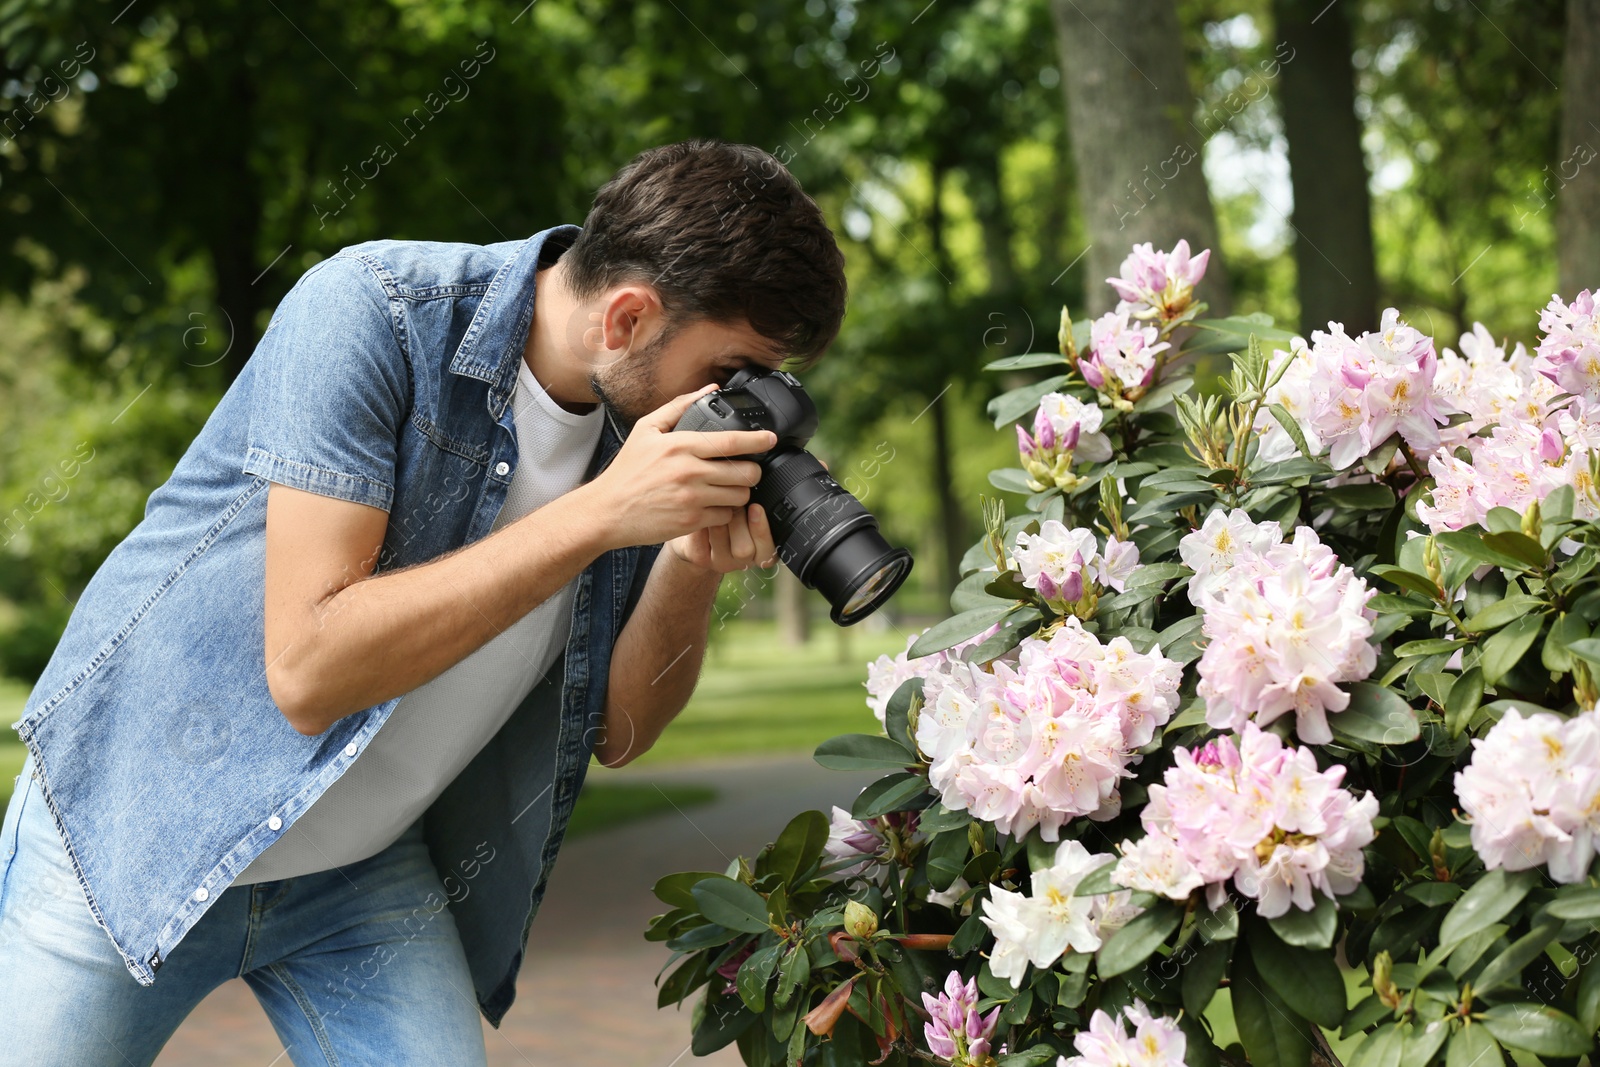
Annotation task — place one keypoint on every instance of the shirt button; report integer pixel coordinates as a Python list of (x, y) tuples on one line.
[(201, 893), (502, 468), (350, 749), (274, 823)]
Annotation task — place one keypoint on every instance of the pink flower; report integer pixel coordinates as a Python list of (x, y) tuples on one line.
[(1286, 622), (1040, 927), (1532, 793), (956, 1032), (1045, 734), (1065, 431), (1122, 357), (1159, 285), (1259, 813), (1156, 1041), (1063, 563), (1569, 355)]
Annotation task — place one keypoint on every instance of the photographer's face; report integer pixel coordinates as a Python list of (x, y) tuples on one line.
[(672, 362)]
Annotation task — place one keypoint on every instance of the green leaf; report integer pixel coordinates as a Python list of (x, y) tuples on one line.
[(897, 713), (1502, 651), (1308, 929), (799, 845), (707, 936), (731, 904), (1360, 497), (1376, 715), (1377, 461), (1576, 904), (1587, 650), (1466, 693), (1473, 1046), (863, 752), (1133, 944), (1291, 426), (1520, 545), (1202, 976), (938, 819), (1472, 546), (897, 792), (947, 857), (1162, 394), (1030, 1057), (1567, 627), (1388, 603), (754, 974), (958, 628), (674, 888), (1422, 1040), (1097, 881), (725, 1019), (1272, 1034), (1182, 640), (1428, 646), (1498, 614), (1416, 583), (792, 973), (1307, 979), (1523, 951), (1011, 479), (1588, 1005), (1535, 1028), (1488, 901), (1027, 361)]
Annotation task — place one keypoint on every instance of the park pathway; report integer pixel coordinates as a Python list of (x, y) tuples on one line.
[(586, 994)]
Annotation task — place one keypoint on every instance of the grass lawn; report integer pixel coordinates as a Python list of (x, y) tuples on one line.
[(759, 695)]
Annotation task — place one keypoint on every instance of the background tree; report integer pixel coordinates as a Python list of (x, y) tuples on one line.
[(1578, 205)]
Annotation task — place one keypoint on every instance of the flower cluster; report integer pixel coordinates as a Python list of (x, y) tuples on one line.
[(1066, 564), (1545, 414), (1156, 1040), (956, 1031), (1039, 927), (1532, 792), (887, 674), (1048, 736), (1123, 357), (1259, 813), (1286, 622), (1159, 285), (1569, 355), (1350, 395), (1065, 431)]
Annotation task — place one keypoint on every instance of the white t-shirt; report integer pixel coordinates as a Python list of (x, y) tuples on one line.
[(436, 729)]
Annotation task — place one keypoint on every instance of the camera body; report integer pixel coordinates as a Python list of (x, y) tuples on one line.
[(823, 533)]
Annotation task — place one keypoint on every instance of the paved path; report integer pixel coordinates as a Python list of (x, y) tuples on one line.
[(587, 993)]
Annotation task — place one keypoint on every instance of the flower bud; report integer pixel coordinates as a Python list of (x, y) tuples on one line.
[(860, 920), (1532, 521), (1383, 980), (1433, 561)]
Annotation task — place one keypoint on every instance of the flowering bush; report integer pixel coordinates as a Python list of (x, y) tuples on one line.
[(1265, 733)]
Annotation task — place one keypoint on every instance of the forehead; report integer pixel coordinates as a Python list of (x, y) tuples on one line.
[(731, 339)]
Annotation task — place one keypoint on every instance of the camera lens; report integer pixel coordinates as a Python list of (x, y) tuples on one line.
[(827, 538)]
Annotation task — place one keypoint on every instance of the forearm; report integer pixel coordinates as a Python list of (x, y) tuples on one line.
[(657, 658), (386, 635)]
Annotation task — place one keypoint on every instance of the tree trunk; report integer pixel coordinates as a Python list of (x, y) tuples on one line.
[(1578, 206), (236, 231), (1335, 273), (952, 535), (1136, 153), (791, 603)]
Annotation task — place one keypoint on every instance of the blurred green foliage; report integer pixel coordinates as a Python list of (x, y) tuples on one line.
[(169, 168)]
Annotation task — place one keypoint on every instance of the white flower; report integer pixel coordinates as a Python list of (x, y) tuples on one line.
[(1042, 926)]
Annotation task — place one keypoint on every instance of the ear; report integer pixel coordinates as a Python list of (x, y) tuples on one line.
[(630, 315)]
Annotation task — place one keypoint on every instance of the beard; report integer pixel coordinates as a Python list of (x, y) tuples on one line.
[(628, 385)]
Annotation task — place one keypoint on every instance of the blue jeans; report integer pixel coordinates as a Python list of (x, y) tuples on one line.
[(353, 966)]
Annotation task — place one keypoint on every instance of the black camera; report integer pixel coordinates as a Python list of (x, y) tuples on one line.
[(823, 533)]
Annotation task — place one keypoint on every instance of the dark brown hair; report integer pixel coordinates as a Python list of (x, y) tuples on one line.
[(722, 232)]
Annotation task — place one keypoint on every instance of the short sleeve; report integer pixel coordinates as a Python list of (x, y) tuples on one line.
[(330, 387)]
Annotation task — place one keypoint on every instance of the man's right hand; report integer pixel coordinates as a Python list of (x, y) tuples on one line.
[(662, 485)]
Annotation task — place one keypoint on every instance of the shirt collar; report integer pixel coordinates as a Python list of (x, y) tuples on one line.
[(498, 333)]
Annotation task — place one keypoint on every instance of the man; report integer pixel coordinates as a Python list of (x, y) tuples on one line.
[(415, 510)]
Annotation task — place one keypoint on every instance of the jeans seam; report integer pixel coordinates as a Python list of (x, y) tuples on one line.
[(19, 797), (281, 973)]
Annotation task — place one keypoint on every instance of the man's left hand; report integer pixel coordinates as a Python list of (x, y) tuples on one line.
[(744, 542)]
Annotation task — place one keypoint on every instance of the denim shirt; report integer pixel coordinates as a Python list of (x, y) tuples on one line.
[(384, 378)]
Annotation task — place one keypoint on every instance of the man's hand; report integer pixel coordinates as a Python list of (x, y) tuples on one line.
[(745, 541), (664, 486)]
